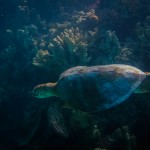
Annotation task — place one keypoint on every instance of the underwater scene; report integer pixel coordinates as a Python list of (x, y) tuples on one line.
[(74, 74)]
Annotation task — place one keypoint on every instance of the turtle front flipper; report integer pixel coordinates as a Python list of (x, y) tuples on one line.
[(144, 87), (56, 121)]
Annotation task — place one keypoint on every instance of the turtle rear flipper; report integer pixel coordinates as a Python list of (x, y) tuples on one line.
[(144, 87), (56, 121)]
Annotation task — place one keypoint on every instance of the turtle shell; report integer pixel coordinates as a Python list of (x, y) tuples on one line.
[(98, 88)]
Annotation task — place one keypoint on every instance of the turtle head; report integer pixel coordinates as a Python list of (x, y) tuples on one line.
[(44, 90)]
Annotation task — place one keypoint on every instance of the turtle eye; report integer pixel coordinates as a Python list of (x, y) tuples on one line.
[(34, 91)]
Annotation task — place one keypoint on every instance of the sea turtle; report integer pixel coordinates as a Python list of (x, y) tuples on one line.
[(92, 89)]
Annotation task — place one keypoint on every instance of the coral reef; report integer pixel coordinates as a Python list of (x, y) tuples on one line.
[(67, 42), (109, 50), (37, 48), (42, 59), (82, 17), (79, 119), (122, 139), (71, 46), (108, 45), (65, 50)]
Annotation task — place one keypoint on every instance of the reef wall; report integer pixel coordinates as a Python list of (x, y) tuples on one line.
[(41, 39)]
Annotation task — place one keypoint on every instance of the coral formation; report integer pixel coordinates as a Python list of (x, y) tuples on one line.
[(143, 38), (110, 50), (81, 16), (42, 59), (69, 48), (80, 119), (108, 45), (122, 139), (71, 44), (57, 41)]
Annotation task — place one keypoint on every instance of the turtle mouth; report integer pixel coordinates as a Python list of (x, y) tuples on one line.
[(34, 95)]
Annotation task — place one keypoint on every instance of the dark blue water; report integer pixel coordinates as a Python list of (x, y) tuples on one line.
[(41, 39)]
